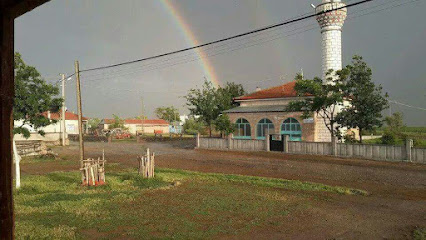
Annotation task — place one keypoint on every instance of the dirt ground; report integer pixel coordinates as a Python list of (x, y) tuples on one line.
[(395, 206)]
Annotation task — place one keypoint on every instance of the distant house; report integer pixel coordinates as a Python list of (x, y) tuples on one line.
[(139, 126), (53, 131)]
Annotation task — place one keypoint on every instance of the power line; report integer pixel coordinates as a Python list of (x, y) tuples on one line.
[(406, 105), (244, 45), (228, 38)]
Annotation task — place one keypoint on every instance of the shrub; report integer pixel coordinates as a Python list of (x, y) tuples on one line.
[(389, 138)]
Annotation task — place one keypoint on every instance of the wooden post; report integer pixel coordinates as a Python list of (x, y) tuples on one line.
[(80, 122), (63, 111), (198, 141), (6, 121), (267, 142)]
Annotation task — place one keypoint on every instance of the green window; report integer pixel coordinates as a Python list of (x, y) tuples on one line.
[(264, 127), (242, 129), (292, 127)]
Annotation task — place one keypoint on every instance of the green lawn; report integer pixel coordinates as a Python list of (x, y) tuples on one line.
[(176, 204)]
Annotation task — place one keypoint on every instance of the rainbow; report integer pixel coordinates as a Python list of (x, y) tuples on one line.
[(191, 39)]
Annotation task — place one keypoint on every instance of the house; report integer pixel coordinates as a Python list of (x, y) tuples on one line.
[(53, 131), (139, 126), (263, 112)]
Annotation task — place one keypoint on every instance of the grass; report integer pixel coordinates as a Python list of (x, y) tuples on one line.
[(55, 206), (419, 234)]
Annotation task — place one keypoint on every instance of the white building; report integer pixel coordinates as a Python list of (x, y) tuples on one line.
[(53, 131), (140, 126)]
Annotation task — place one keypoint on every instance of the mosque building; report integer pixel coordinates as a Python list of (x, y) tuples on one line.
[(263, 111)]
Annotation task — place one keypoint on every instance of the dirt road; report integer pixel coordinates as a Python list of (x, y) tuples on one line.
[(395, 206)]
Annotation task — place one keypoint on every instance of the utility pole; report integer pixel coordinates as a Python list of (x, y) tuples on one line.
[(80, 123), (63, 110)]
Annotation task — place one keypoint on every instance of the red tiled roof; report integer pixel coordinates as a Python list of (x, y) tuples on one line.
[(140, 121), (283, 91), (68, 116)]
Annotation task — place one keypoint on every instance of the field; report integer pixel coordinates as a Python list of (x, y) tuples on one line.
[(226, 195), (418, 134)]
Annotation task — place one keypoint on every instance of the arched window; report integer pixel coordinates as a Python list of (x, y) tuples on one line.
[(292, 128), (242, 129), (264, 127)]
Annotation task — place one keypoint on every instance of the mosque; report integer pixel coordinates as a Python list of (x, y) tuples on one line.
[(263, 112)]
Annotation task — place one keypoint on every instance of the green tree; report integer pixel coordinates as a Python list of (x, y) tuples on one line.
[(203, 103), (224, 125), (33, 96), (170, 114), (365, 100), (320, 97), (93, 123), (209, 102), (192, 126), (117, 123), (395, 123), (225, 95)]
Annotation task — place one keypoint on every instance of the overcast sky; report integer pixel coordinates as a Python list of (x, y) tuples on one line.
[(102, 32)]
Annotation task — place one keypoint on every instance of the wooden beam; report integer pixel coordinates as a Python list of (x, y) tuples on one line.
[(16, 8), (6, 121)]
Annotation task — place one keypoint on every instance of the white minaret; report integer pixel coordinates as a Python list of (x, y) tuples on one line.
[(331, 23)]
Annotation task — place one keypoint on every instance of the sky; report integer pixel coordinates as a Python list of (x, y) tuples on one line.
[(389, 34)]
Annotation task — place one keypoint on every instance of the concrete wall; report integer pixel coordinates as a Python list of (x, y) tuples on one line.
[(317, 148), (363, 151), (234, 144), (49, 138)]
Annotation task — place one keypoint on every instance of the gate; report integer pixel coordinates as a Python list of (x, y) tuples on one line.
[(276, 144)]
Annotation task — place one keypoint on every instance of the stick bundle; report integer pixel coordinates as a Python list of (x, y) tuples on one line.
[(93, 172), (146, 165)]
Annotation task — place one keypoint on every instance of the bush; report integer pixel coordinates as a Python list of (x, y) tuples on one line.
[(389, 138)]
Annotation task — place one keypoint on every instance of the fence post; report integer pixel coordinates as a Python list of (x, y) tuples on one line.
[(230, 141), (267, 142), (333, 146), (109, 139), (198, 141), (285, 143), (408, 146)]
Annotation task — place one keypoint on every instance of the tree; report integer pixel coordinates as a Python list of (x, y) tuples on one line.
[(322, 98), (193, 126), (170, 114), (365, 100), (202, 103), (117, 123), (209, 102), (224, 125), (225, 95), (394, 123), (33, 96), (93, 124)]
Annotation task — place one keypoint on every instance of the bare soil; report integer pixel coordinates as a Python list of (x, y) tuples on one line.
[(395, 206)]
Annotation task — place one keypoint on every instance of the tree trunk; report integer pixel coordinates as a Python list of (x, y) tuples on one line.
[(210, 130), (360, 135)]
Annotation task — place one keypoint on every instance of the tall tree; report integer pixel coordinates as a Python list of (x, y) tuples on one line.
[(365, 100), (169, 114), (224, 125), (226, 95), (209, 102), (202, 103), (321, 97), (33, 96)]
